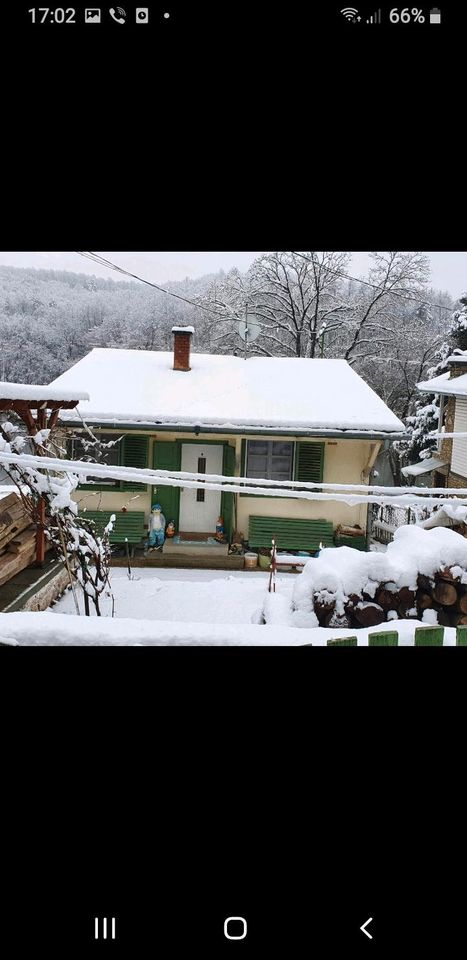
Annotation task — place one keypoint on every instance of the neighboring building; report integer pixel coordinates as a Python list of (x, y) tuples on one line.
[(274, 418), (448, 466)]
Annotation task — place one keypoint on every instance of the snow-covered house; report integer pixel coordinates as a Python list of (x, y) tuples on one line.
[(272, 418), (448, 466)]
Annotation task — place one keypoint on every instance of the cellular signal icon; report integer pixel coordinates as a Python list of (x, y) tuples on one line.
[(375, 17), (350, 13)]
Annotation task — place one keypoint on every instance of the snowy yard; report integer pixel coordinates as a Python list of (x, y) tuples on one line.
[(185, 596), (184, 608)]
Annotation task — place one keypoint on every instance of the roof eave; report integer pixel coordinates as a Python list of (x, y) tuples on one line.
[(441, 393), (242, 430)]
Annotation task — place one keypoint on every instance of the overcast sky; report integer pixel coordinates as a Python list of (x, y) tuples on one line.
[(449, 270)]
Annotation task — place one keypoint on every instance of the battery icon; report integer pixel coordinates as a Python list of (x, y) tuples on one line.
[(435, 15)]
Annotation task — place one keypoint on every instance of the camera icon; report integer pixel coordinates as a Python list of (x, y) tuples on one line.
[(142, 15)]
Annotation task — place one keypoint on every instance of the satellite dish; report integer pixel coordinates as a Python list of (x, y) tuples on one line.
[(249, 330)]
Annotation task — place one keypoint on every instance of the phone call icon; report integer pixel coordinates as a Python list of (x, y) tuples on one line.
[(118, 14)]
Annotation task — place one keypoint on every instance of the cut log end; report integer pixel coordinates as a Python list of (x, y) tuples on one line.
[(445, 593), (370, 615)]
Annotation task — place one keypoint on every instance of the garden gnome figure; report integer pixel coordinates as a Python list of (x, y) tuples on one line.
[(156, 527)]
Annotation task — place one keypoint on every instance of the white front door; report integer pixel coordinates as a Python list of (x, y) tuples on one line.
[(199, 509)]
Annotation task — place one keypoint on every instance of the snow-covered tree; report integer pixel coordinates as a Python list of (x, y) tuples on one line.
[(425, 417), (86, 554)]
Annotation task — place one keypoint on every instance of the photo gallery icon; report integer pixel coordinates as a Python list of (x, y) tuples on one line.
[(92, 15)]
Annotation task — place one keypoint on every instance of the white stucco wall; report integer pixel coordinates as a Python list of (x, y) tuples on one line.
[(344, 462)]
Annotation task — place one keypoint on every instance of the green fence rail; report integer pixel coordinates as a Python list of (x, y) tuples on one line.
[(423, 637)]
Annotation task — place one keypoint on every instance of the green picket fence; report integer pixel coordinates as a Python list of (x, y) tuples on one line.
[(424, 637)]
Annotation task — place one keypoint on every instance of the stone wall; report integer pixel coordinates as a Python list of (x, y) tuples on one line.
[(449, 412), (50, 591)]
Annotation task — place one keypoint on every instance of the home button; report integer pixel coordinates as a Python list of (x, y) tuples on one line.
[(235, 928)]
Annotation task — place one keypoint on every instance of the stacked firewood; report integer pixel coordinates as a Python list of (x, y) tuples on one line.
[(444, 593), (17, 537)]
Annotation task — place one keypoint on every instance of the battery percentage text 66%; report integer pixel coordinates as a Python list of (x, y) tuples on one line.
[(406, 15)]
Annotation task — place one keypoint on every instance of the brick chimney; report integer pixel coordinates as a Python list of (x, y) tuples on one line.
[(182, 346)]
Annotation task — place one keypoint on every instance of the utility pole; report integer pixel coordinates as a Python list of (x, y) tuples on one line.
[(246, 327), (321, 338)]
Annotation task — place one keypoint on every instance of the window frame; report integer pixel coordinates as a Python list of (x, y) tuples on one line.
[(99, 483), (269, 444)]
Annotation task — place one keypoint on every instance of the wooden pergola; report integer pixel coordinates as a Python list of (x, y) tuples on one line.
[(39, 408)]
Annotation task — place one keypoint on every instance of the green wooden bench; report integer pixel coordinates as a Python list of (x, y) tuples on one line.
[(358, 543), (128, 526), (290, 533)]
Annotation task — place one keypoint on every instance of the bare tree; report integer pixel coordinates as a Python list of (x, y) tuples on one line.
[(375, 317), (292, 295)]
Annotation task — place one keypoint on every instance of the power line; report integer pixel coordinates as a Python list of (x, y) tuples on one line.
[(113, 266), (102, 261), (225, 484), (346, 276)]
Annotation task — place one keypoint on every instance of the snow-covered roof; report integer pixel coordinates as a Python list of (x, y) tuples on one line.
[(458, 356), (454, 386), (31, 391), (424, 466), (139, 386)]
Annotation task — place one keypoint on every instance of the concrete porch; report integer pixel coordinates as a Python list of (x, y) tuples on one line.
[(189, 546)]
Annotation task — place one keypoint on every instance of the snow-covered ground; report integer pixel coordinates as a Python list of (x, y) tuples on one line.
[(187, 596), (183, 608)]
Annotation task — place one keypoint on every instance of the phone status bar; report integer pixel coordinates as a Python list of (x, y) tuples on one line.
[(95, 16)]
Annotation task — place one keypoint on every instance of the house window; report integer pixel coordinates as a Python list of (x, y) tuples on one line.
[(110, 456), (269, 460)]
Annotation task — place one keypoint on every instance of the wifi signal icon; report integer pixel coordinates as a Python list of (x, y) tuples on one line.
[(349, 13)]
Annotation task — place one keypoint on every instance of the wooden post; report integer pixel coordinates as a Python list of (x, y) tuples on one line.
[(40, 533)]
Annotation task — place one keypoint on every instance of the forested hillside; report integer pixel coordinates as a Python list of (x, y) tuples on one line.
[(50, 319)]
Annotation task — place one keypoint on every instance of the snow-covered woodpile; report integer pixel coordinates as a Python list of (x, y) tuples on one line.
[(422, 576), (17, 537)]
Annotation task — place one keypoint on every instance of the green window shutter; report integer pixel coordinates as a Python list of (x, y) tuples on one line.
[(134, 453), (228, 499), (309, 462), (167, 456)]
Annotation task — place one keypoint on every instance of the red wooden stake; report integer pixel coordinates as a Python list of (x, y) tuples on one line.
[(272, 575)]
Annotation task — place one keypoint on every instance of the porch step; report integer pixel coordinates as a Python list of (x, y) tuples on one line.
[(183, 561), (196, 549)]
